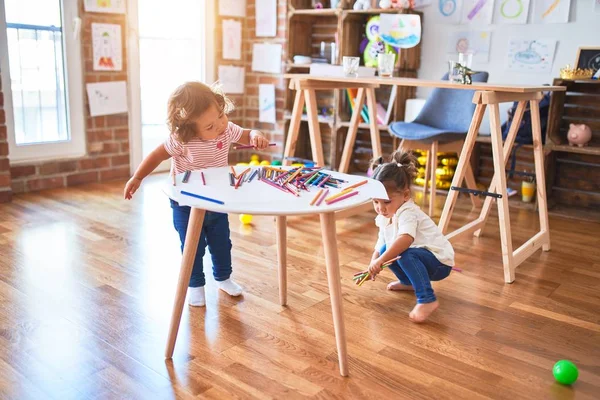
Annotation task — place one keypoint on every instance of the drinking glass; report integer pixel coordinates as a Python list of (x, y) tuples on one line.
[(350, 66), (385, 64)]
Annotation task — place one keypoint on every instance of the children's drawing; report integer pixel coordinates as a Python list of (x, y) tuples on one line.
[(107, 98), (551, 11), (531, 55), (477, 12), (477, 43), (448, 11), (105, 6), (511, 11), (400, 30), (106, 47), (266, 99), (232, 39)]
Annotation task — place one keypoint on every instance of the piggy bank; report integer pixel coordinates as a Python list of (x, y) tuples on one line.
[(579, 134)]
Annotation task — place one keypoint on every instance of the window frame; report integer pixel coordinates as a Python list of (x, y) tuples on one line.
[(76, 146)]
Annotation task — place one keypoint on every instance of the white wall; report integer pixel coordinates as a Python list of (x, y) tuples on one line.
[(582, 30)]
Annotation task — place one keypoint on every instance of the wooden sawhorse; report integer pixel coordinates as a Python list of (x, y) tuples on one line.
[(511, 259)]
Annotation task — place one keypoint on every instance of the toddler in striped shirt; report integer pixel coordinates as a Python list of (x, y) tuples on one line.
[(200, 138)]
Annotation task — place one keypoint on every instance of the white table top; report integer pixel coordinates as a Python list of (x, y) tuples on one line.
[(259, 198)]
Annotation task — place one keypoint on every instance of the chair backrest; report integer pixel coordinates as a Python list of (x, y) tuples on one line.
[(450, 109)]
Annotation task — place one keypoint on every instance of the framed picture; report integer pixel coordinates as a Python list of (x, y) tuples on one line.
[(588, 57)]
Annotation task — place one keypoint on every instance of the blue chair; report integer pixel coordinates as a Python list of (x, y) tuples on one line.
[(441, 126)]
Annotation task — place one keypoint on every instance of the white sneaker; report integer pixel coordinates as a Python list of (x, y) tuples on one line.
[(197, 297), (230, 287)]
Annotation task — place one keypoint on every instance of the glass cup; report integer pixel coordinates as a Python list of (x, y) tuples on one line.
[(350, 66), (453, 72), (385, 64)]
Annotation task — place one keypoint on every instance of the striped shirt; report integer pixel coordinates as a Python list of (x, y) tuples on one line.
[(199, 153)]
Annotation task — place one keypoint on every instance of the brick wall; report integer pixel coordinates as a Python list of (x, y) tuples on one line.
[(107, 137), (247, 104), (5, 190)]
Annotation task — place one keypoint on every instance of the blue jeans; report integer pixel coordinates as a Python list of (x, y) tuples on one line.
[(215, 233), (418, 267)]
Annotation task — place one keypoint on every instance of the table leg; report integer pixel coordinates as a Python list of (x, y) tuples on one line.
[(434, 162), (335, 287), (538, 156), (313, 127), (374, 129), (503, 215), (292, 136), (282, 257), (463, 159), (187, 262), (352, 129), (427, 173), (508, 144)]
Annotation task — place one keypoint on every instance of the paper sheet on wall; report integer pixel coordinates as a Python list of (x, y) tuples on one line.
[(106, 47), (266, 103), (477, 12), (400, 30), (232, 39), (551, 11), (511, 12), (266, 57), (597, 6), (107, 98), (266, 18), (232, 79), (447, 11), (105, 6), (476, 42), (232, 8), (530, 55)]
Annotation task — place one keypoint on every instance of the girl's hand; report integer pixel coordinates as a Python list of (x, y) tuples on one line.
[(258, 140), (375, 267), (131, 187)]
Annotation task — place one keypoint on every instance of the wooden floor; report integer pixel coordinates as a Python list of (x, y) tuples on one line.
[(87, 282)]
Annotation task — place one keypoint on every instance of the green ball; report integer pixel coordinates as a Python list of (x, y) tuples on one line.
[(565, 372), (275, 162)]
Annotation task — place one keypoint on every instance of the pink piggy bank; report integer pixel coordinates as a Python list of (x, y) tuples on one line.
[(579, 134)]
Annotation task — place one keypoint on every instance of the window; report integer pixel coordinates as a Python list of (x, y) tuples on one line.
[(41, 79)]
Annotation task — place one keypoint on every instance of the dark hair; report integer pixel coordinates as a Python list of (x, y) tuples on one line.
[(398, 173), (188, 102)]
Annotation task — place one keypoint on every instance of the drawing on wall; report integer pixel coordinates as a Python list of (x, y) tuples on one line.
[(512, 11), (232, 8), (477, 43), (266, 57), (531, 55), (400, 30), (232, 39), (477, 12), (106, 47), (266, 100), (266, 18), (232, 79), (448, 11), (105, 6), (551, 11), (107, 98)]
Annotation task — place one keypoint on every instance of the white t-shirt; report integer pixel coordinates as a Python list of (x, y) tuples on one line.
[(410, 220)]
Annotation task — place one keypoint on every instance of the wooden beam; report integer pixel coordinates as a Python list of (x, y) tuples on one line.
[(496, 97)]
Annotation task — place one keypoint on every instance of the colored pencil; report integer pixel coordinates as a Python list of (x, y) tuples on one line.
[(314, 200), (322, 197), (203, 180), (324, 181), (231, 179), (274, 185), (250, 146), (335, 196), (186, 176), (344, 197), (252, 175), (239, 181), (357, 184), (201, 197)]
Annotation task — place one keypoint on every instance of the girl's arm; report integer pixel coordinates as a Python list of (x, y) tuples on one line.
[(255, 138), (401, 243), (149, 164)]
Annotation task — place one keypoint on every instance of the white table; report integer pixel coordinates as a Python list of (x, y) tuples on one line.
[(258, 198)]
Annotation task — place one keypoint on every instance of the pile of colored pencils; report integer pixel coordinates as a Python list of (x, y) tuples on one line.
[(236, 180), (360, 277), (344, 194), (297, 179)]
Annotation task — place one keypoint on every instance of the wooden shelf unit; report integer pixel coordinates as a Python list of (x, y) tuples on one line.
[(306, 29)]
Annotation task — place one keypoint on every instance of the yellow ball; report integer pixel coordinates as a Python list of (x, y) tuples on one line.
[(254, 163), (265, 162), (242, 164), (297, 165), (254, 157), (245, 219)]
